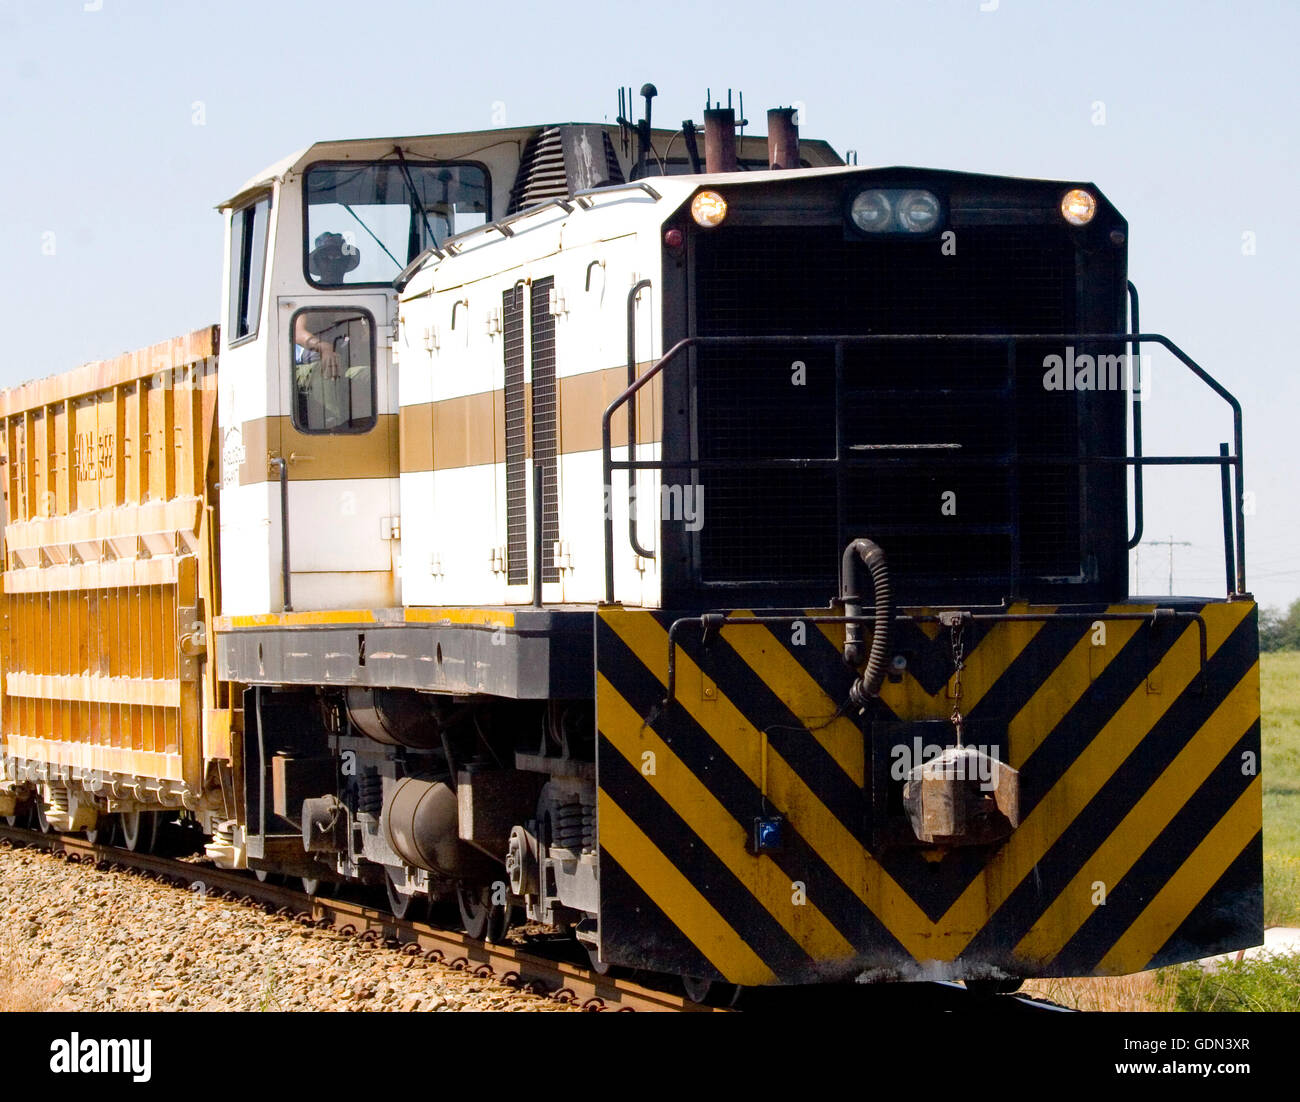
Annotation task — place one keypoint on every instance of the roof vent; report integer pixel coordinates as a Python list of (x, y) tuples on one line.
[(562, 160)]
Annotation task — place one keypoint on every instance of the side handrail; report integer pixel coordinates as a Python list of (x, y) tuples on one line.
[(1237, 527), (584, 200), (281, 466), (1134, 327), (636, 290)]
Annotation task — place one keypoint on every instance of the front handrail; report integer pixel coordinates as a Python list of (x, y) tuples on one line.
[(1134, 325), (1234, 526), (711, 623)]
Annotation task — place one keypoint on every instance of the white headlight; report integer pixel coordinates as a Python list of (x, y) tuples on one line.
[(1078, 207), (872, 211), (918, 211), (708, 209), (893, 210)]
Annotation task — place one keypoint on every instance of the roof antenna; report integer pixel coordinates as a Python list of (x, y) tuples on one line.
[(649, 91), (624, 123)]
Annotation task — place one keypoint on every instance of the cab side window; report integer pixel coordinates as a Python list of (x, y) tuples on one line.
[(247, 267), (333, 382)]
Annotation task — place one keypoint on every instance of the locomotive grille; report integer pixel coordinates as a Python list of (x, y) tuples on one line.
[(542, 334), (950, 418), (512, 310)]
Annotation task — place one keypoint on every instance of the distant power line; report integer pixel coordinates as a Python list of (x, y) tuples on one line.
[(1171, 543)]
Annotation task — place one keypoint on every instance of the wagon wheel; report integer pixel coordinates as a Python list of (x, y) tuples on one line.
[(104, 832), (139, 830)]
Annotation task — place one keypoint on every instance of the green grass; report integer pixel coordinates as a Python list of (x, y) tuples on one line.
[(1280, 704), (1269, 983)]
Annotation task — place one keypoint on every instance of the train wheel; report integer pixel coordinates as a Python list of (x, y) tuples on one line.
[(398, 903), (711, 992), (104, 832), (600, 967), (139, 830), (483, 920), (42, 820), (310, 885), (262, 875)]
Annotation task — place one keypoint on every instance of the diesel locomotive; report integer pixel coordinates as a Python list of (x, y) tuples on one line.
[(681, 538)]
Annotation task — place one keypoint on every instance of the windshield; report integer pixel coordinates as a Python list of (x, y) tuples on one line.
[(366, 222)]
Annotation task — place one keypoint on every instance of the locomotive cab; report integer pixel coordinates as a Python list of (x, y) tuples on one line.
[(310, 517)]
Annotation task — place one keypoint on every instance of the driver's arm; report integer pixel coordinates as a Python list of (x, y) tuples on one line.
[(304, 337)]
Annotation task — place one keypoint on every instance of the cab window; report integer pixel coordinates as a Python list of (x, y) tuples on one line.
[(333, 380), (247, 266), (365, 222)]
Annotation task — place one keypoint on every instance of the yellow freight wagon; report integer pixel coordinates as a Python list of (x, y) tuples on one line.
[(110, 706)]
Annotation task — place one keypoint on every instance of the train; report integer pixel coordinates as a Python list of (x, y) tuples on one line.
[(690, 541)]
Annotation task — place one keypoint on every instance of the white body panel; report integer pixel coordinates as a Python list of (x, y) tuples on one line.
[(448, 346), (595, 257)]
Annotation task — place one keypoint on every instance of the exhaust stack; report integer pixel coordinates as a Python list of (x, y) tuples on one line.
[(720, 140), (782, 138)]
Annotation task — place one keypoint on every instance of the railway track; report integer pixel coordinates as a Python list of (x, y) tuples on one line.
[(533, 972), (525, 971)]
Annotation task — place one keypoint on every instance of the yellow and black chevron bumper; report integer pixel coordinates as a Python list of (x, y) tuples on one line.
[(1139, 836)]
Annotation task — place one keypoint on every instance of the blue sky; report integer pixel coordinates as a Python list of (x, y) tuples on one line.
[(124, 126)]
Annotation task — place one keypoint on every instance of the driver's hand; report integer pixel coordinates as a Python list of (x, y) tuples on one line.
[(329, 362)]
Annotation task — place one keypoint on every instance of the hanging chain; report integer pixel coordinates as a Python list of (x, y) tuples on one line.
[(956, 626)]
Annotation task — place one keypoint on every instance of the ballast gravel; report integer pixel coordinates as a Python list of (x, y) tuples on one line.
[(75, 938)]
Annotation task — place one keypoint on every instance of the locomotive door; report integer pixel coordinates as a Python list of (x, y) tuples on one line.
[(338, 438)]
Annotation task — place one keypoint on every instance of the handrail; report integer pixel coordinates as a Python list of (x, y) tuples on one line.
[(632, 185), (712, 622), (451, 246), (637, 288), (1135, 326), (281, 465), (1234, 461)]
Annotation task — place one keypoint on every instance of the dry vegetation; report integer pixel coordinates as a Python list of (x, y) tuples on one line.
[(21, 991), (1143, 991)]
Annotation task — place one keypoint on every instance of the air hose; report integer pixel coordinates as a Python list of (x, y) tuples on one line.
[(864, 553)]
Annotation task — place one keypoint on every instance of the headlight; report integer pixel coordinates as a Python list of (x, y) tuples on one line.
[(893, 210), (872, 212), (708, 208), (1078, 207), (918, 212)]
